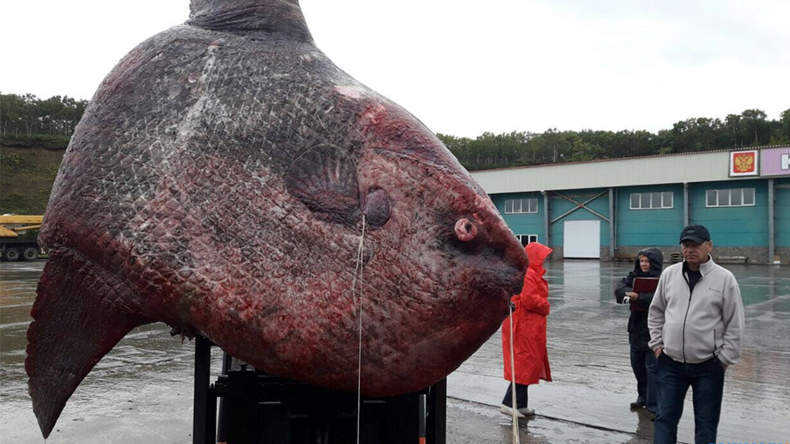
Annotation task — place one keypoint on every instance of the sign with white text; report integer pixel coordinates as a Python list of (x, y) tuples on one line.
[(775, 161)]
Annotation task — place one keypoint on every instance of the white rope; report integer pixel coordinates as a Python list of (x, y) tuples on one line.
[(358, 272), (514, 406)]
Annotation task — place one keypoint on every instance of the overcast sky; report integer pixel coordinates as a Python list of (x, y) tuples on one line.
[(464, 67)]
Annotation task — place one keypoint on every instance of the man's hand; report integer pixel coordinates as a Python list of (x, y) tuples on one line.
[(659, 350), (633, 296)]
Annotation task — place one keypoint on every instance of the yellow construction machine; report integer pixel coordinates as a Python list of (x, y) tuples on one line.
[(12, 246)]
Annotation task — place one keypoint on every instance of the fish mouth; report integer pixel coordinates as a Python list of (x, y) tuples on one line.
[(495, 280), (503, 281), (516, 285), (510, 266)]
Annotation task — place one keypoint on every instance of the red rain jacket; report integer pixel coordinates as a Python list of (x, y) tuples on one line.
[(529, 333)]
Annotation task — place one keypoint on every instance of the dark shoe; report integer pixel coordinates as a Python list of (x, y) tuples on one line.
[(653, 416), (637, 405)]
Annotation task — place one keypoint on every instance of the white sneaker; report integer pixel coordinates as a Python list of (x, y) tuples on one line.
[(509, 411), (527, 412)]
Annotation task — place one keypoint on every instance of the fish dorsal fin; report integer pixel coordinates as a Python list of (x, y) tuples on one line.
[(274, 17), (324, 178)]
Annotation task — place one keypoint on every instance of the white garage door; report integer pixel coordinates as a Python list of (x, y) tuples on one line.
[(582, 239)]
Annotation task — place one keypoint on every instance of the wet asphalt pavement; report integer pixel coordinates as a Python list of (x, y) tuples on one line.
[(589, 355), (142, 390)]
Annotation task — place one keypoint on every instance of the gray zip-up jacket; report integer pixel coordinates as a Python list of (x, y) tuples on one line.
[(693, 327)]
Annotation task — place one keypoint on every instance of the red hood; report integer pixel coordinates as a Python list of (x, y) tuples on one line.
[(537, 253)]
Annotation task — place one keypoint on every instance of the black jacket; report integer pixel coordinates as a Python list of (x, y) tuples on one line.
[(638, 333)]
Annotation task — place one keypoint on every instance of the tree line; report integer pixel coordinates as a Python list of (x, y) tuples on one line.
[(27, 120), (27, 115), (750, 128)]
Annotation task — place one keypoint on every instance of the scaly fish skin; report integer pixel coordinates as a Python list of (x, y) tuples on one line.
[(221, 181)]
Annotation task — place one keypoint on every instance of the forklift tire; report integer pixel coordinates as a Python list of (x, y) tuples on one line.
[(30, 254), (11, 254)]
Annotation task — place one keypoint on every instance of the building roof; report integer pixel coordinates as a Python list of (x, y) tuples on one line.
[(707, 166)]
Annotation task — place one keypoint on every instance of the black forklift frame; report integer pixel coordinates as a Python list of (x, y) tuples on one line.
[(422, 414)]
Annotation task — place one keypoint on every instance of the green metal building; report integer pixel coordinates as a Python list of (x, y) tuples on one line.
[(611, 209)]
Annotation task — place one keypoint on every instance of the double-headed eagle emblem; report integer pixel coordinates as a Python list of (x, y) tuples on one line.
[(744, 163)]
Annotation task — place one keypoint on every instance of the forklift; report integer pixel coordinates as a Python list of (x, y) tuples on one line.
[(247, 406)]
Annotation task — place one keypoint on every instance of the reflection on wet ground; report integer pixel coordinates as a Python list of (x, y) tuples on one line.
[(142, 390)]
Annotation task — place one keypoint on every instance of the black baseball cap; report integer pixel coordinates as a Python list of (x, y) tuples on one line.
[(696, 233)]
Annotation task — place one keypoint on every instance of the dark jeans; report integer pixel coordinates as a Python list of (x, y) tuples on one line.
[(522, 397), (706, 380), (643, 362)]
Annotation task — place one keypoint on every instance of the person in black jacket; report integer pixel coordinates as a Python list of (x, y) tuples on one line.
[(649, 263)]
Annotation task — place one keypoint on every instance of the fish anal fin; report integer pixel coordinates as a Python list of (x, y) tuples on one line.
[(76, 320)]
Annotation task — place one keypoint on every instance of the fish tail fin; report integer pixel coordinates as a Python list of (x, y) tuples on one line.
[(76, 321)]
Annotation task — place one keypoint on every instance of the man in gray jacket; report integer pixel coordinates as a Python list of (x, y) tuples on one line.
[(696, 327)]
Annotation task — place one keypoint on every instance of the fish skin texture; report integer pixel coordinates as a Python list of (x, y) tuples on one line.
[(221, 181)]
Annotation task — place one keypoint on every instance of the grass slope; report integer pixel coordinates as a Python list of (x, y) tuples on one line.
[(26, 177)]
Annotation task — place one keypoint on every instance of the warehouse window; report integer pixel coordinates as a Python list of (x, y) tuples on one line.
[(527, 239), (734, 197), (652, 201), (517, 206)]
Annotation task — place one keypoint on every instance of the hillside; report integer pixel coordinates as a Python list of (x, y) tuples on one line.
[(26, 177)]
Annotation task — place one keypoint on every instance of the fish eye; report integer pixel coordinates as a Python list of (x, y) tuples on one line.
[(465, 230), (377, 208)]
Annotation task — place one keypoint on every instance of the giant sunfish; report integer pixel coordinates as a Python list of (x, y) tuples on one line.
[(229, 180)]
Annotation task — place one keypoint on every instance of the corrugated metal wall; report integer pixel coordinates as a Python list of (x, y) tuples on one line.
[(742, 230), (523, 224), (649, 227), (745, 226), (733, 226), (560, 206), (782, 212), (655, 170)]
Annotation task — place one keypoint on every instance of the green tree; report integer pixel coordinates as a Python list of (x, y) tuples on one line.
[(784, 127), (28, 115), (755, 127), (697, 134), (583, 151)]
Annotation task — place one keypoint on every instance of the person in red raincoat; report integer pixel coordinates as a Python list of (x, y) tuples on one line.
[(529, 333)]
